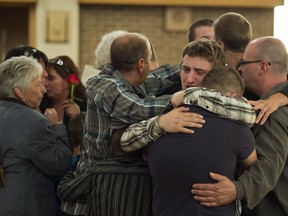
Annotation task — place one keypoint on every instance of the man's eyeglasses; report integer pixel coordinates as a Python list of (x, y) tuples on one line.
[(30, 52), (242, 62), (58, 61)]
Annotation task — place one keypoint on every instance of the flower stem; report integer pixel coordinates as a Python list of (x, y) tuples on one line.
[(72, 93)]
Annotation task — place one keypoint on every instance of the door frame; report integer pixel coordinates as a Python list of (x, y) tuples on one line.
[(31, 6)]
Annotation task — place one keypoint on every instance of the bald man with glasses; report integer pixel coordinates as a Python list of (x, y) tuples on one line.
[(233, 32), (264, 186)]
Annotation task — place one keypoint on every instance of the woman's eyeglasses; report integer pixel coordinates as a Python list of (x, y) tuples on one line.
[(58, 61), (30, 52)]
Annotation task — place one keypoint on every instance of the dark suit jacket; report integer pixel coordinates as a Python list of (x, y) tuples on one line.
[(32, 153)]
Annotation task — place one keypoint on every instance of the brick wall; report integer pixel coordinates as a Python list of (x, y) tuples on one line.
[(96, 20)]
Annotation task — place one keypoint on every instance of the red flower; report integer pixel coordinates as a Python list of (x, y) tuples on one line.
[(73, 80)]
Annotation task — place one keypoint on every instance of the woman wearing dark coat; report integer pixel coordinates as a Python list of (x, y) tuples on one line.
[(33, 151)]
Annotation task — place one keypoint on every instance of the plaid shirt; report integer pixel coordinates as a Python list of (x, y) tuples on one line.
[(140, 134), (113, 103)]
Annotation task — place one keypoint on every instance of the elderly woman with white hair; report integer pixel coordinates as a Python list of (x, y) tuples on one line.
[(33, 151), (102, 54)]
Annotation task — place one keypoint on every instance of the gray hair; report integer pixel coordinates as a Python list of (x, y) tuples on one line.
[(102, 51), (17, 72)]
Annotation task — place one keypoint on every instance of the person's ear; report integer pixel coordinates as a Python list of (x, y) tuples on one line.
[(231, 94), (141, 64), (221, 44), (264, 68), (19, 93)]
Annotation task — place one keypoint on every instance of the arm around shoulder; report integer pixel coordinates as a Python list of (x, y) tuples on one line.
[(138, 135)]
